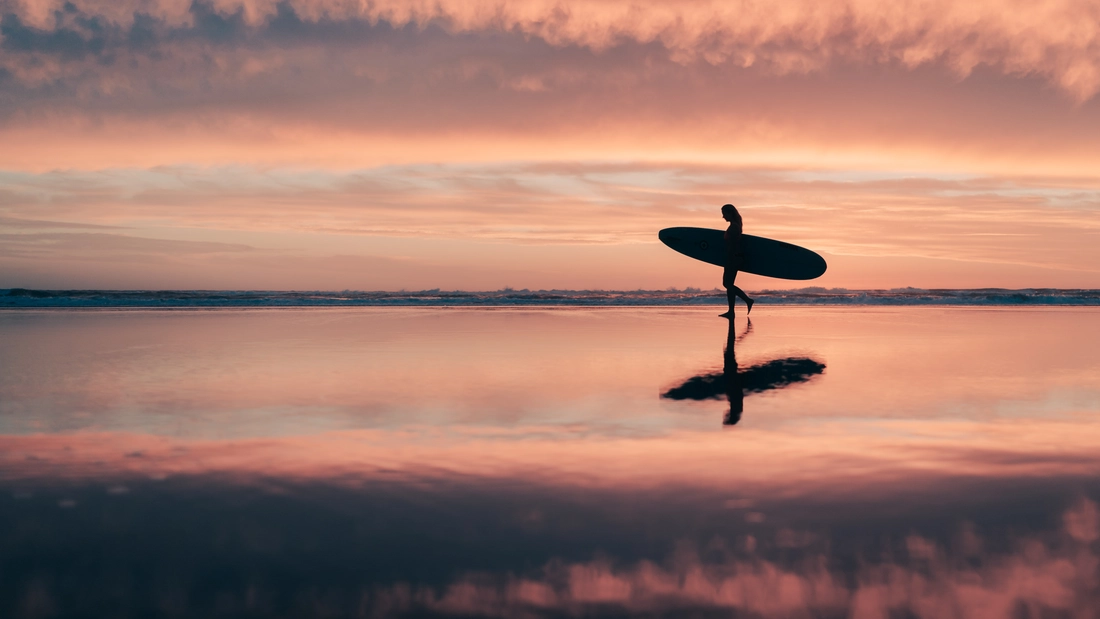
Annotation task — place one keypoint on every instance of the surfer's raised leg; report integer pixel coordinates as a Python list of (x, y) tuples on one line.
[(732, 292), (729, 279)]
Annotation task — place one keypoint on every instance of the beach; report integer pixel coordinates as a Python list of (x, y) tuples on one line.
[(545, 461)]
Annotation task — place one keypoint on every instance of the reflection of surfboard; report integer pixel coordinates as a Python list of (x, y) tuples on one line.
[(762, 256)]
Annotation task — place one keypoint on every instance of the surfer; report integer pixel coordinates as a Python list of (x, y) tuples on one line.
[(734, 258)]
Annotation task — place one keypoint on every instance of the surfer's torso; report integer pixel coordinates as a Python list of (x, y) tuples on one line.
[(732, 237)]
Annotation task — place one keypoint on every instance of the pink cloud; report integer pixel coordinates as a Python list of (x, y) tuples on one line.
[(1057, 40), (341, 85), (533, 123)]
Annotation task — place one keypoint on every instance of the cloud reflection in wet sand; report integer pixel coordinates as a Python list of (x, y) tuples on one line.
[(1055, 572), (825, 454), (199, 546)]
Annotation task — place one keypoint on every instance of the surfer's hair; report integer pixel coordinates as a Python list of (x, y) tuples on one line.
[(728, 208)]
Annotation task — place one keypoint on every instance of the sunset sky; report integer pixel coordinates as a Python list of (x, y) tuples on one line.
[(478, 144)]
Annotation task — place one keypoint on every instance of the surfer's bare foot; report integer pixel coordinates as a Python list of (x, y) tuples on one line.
[(749, 303), (726, 315)]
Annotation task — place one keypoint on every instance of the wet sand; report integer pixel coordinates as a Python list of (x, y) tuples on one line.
[(549, 461)]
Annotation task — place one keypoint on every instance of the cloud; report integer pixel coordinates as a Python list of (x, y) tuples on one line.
[(95, 84), (11, 223), (1056, 40), (537, 217), (103, 247)]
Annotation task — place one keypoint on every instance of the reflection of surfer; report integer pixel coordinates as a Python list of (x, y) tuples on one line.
[(733, 384), (734, 259), (734, 391)]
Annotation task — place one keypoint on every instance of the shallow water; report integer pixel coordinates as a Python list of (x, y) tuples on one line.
[(550, 461)]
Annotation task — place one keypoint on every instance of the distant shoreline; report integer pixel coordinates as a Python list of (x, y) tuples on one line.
[(17, 298)]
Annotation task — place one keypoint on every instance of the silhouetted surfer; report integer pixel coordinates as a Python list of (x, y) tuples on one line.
[(734, 258)]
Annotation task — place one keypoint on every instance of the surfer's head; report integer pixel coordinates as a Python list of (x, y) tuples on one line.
[(729, 212)]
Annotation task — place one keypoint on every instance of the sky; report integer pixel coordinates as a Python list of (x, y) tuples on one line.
[(477, 144)]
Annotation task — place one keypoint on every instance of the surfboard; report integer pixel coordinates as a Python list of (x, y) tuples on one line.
[(766, 257)]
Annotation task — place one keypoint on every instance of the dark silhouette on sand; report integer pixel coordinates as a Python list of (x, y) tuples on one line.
[(735, 257), (733, 383)]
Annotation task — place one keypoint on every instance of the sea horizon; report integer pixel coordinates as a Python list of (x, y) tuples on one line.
[(17, 298)]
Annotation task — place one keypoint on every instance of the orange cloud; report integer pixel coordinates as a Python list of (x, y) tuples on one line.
[(464, 223)]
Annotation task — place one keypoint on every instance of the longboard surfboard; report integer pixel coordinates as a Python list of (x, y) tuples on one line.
[(766, 257)]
